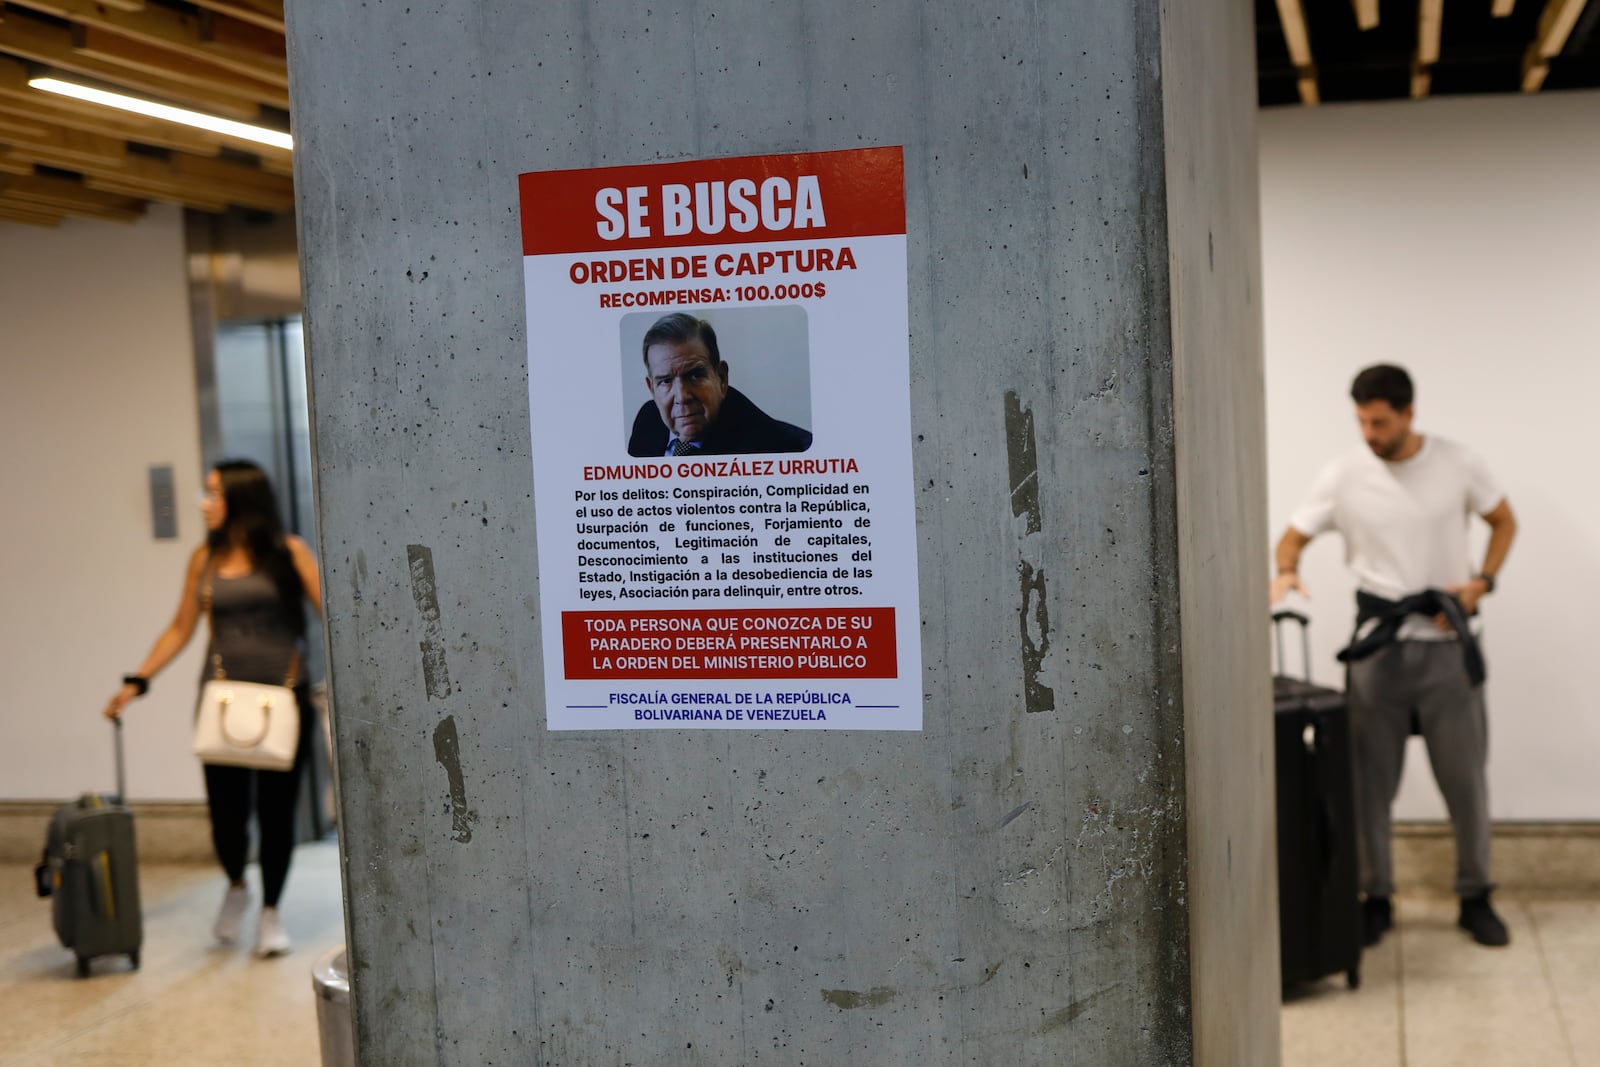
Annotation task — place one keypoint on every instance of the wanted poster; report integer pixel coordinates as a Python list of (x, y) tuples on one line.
[(719, 399)]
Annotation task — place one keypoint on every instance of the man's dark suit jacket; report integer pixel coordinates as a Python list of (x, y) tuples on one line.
[(740, 428)]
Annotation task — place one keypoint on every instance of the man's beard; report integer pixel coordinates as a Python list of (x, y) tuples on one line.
[(1391, 450)]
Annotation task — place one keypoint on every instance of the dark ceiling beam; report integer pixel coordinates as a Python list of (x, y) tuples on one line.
[(1582, 31), (36, 192), (52, 45), (29, 214), (174, 179), (1556, 24), (1430, 22), (192, 36), (224, 34), (10, 164), (1292, 15), (268, 14), (96, 43)]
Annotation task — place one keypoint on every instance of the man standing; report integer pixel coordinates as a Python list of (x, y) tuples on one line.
[(692, 409), (1402, 505)]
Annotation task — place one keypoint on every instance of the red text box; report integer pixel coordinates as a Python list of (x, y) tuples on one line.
[(732, 643)]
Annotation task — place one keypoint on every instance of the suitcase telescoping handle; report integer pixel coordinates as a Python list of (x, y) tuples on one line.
[(122, 784), (1286, 614)]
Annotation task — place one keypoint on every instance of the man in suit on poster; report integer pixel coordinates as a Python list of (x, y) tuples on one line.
[(693, 410)]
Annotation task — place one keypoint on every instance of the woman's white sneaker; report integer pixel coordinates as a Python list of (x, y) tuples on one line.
[(271, 940), (234, 905)]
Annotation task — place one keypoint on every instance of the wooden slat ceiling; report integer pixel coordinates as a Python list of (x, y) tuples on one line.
[(1325, 51), (61, 157)]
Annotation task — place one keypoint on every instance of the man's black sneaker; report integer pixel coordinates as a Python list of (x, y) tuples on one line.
[(1377, 917), (1479, 920)]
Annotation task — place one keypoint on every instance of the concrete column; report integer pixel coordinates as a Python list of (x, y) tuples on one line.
[(1072, 862)]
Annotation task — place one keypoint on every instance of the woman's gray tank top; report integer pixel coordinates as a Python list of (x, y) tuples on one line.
[(248, 630)]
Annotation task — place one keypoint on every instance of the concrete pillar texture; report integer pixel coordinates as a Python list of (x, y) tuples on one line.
[(1071, 862)]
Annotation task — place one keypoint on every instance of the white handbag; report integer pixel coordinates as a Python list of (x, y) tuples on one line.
[(247, 724)]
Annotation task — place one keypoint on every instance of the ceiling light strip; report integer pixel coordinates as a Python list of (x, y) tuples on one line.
[(151, 109)]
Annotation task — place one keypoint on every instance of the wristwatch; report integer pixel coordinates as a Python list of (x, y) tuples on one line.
[(1488, 581)]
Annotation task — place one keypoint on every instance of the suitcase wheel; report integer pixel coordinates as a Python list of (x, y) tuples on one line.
[(133, 958), (1352, 978), (83, 966)]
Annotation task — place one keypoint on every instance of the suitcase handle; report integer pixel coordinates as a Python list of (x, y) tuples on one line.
[(122, 784), (1279, 617)]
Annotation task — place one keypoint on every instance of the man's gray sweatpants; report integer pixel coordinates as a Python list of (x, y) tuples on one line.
[(1430, 679)]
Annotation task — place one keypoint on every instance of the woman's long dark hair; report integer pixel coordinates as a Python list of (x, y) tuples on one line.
[(253, 516)]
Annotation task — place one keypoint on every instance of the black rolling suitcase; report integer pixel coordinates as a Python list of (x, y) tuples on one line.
[(1319, 910), (91, 872)]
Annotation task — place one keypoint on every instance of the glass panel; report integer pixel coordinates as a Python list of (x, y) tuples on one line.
[(302, 499), (249, 403), (299, 430)]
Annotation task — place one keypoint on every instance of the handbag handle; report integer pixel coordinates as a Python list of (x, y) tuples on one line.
[(266, 723), (217, 673)]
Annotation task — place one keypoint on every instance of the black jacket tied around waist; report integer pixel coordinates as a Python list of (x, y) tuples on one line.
[(1392, 613)]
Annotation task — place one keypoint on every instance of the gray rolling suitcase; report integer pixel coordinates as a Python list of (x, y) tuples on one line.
[(91, 872)]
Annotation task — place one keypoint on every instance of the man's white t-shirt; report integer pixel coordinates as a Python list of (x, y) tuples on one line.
[(1404, 524)]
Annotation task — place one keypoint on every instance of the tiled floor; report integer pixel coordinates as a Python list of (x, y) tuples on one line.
[(192, 1002), (1429, 997)]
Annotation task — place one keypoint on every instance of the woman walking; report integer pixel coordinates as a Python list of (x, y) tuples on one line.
[(253, 581)]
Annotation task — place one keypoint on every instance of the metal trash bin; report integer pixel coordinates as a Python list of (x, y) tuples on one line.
[(330, 979)]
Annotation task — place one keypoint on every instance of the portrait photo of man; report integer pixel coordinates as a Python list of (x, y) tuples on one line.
[(692, 408)]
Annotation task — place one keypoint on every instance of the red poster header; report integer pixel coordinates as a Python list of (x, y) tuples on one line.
[(804, 196)]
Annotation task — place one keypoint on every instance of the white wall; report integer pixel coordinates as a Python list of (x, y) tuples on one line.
[(96, 385), (1461, 238)]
